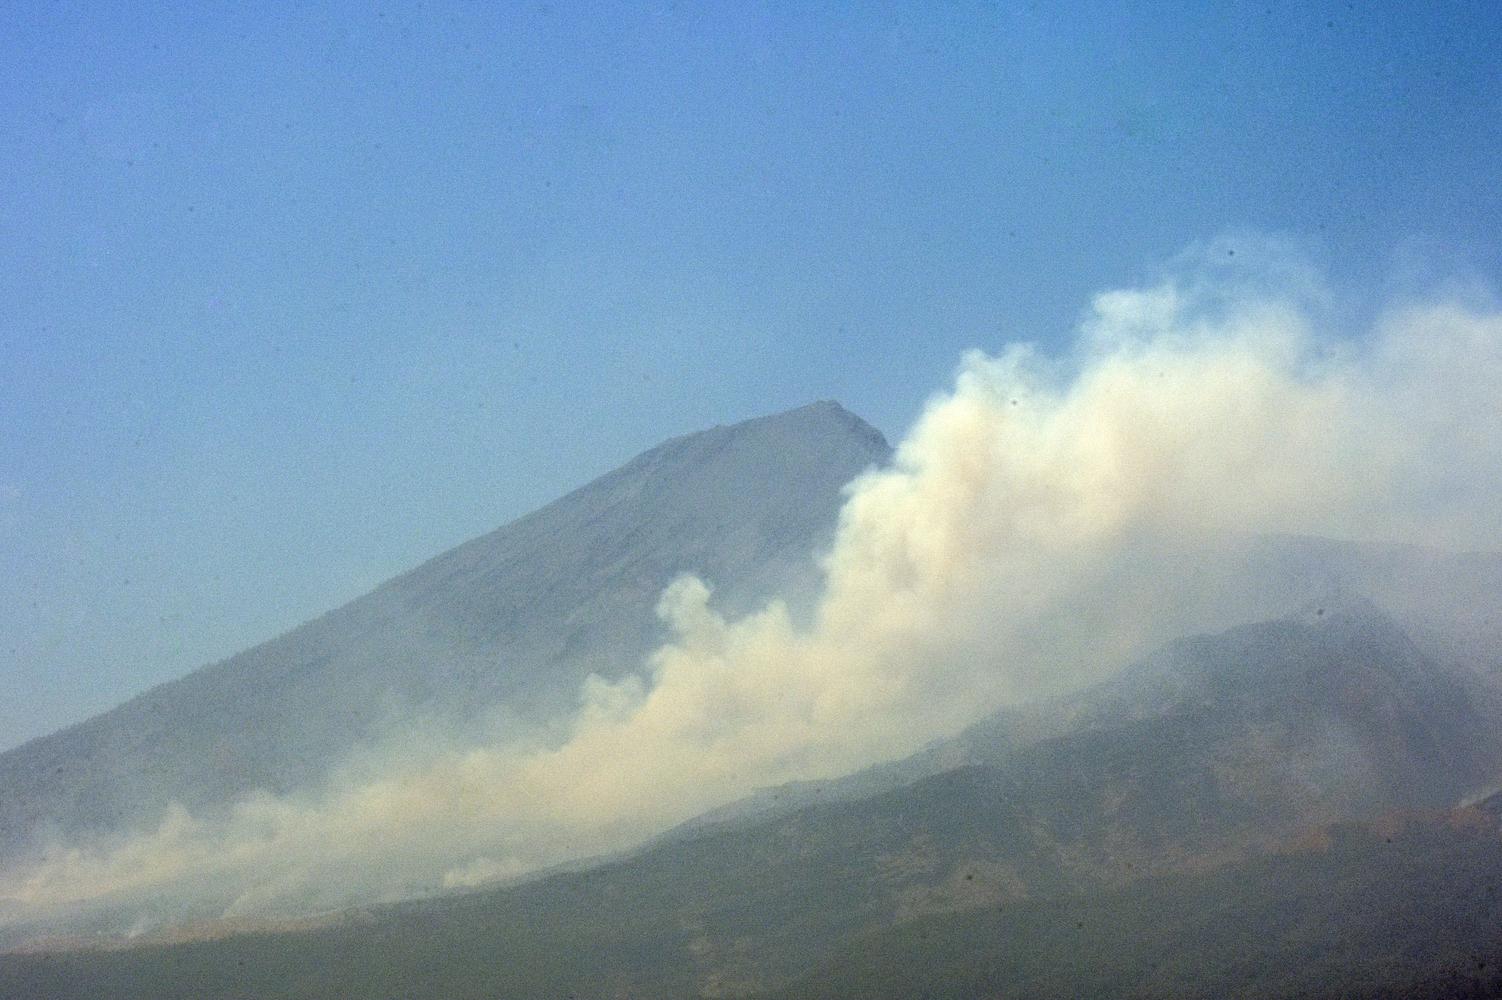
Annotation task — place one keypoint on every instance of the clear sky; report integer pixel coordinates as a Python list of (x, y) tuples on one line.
[(290, 302)]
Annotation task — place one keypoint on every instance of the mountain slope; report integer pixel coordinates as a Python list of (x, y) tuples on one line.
[(1199, 759), (1328, 712), (1409, 907), (517, 618), (1333, 709)]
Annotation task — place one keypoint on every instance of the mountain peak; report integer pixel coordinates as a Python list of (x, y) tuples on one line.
[(517, 618), (823, 419), (832, 411), (1341, 606)]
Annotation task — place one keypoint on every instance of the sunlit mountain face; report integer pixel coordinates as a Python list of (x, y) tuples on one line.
[(511, 623), (1135, 631)]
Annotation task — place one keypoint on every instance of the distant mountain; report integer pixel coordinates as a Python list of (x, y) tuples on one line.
[(1330, 712), (1333, 710), (1166, 833), (516, 618), (1450, 603)]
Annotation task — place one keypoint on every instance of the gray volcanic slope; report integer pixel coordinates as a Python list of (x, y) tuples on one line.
[(518, 617)]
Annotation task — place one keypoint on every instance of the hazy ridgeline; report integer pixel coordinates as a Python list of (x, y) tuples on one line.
[(1207, 458)]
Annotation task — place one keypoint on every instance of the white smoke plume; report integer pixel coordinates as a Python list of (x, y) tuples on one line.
[(1044, 521)]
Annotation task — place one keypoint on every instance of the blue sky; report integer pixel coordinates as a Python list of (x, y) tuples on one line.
[(290, 302)]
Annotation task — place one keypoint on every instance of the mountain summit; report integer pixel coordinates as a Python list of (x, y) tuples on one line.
[(511, 621)]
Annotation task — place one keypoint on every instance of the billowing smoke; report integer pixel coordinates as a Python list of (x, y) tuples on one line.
[(1046, 519)]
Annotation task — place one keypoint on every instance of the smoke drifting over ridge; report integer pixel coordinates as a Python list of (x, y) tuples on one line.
[(1045, 520)]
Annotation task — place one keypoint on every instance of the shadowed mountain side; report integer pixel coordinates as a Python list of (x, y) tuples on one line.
[(1330, 712), (719, 915), (1335, 702), (518, 617), (1404, 908), (1450, 603)]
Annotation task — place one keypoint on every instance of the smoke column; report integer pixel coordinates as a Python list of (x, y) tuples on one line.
[(1046, 519)]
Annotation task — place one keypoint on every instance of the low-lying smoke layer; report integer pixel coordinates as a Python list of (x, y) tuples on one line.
[(1045, 520)]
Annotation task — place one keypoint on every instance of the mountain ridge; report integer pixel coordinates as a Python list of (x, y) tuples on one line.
[(515, 618)]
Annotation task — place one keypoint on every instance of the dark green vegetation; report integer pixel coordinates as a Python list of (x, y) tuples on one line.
[(1167, 833)]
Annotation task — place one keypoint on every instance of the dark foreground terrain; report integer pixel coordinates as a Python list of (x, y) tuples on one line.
[(1407, 907)]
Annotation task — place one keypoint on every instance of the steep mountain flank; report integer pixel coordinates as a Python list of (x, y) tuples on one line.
[(513, 620)]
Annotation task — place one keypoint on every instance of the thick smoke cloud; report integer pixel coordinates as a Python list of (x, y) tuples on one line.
[(1046, 519)]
